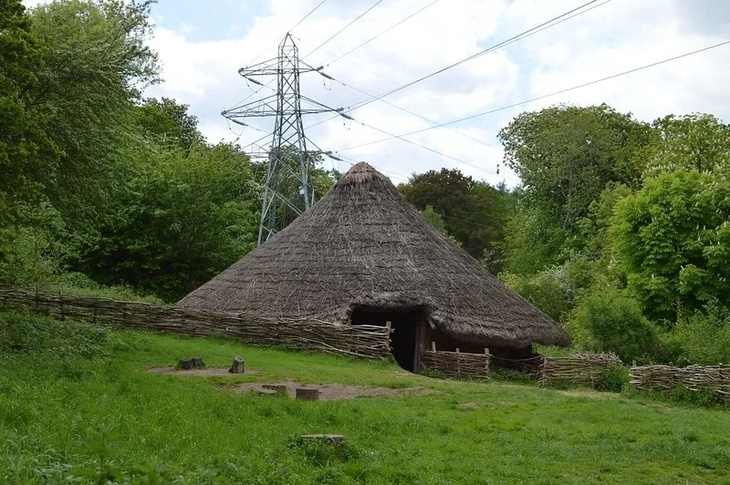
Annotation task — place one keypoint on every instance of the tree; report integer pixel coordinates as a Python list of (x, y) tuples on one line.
[(565, 157), (610, 321), (94, 62), (473, 212), (692, 142), (435, 219), (22, 137), (169, 123), (28, 224), (186, 217), (672, 239)]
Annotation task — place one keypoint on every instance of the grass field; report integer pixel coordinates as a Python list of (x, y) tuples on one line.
[(78, 404)]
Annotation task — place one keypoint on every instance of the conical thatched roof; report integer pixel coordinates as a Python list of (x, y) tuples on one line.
[(364, 244)]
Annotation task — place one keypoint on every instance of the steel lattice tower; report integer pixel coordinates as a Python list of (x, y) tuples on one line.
[(289, 159)]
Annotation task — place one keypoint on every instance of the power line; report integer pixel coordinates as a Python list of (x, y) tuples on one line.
[(563, 17), (543, 96), (522, 35), (382, 33), (534, 30), (424, 147), (390, 135), (308, 14), (274, 43), (343, 29), (405, 110)]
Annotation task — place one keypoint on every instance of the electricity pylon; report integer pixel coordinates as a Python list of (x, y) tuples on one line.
[(288, 155)]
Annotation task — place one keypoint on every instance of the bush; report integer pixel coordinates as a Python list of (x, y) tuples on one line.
[(612, 322), (548, 290), (614, 379), (702, 338), (501, 374)]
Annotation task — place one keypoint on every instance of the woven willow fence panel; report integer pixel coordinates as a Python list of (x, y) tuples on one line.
[(368, 341), (694, 378), (577, 369), (457, 364)]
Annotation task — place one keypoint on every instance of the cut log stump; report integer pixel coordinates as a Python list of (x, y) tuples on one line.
[(237, 366), (322, 439), (191, 363), (307, 394)]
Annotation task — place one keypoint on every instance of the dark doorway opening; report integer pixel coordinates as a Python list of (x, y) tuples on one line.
[(407, 327)]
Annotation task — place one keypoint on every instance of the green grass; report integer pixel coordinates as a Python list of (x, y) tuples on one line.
[(86, 409)]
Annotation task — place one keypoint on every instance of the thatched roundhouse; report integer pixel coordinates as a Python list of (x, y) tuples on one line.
[(363, 254)]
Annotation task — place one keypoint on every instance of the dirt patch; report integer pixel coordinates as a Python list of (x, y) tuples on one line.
[(199, 372), (330, 392)]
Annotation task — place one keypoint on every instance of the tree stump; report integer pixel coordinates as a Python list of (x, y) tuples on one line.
[(325, 439), (237, 366), (191, 363), (307, 394)]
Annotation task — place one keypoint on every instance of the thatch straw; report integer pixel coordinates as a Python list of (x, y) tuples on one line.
[(364, 244)]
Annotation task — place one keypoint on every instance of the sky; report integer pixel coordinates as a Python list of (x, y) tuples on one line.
[(370, 48)]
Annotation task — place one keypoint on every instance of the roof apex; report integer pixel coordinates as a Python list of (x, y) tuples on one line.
[(361, 172)]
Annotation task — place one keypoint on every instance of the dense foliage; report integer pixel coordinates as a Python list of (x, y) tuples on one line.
[(622, 230), (102, 185), (472, 212)]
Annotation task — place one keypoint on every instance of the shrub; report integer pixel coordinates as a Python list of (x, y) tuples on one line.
[(502, 374), (613, 379), (612, 322), (702, 338), (548, 290)]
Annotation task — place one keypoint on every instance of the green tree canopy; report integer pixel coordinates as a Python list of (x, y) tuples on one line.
[(672, 238), (22, 136), (94, 61), (169, 123), (691, 142), (188, 216), (473, 212), (565, 157)]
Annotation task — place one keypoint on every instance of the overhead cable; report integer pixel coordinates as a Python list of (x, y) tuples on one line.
[(543, 96)]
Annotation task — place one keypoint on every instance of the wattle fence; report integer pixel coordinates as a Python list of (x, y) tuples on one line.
[(367, 341), (587, 369), (457, 364), (665, 378)]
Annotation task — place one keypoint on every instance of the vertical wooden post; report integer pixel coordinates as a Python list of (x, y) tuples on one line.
[(433, 346), (387, 337)]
